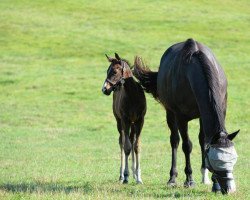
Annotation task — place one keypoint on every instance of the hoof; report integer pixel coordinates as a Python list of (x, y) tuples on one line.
[(189, 184), (139, 182), (206, 182), (125, 181), (216, 187), (171, 183)]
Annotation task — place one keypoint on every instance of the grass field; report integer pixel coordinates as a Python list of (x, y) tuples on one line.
[(58, 137)]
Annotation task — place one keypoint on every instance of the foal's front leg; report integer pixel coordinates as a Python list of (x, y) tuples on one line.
[(138, 128), (121, 143), (127, 148), (132, 140)]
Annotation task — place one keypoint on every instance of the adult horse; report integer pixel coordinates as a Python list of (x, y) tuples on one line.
[(129, 108), (191, 84)]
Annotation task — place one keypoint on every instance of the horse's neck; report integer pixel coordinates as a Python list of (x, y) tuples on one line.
[(213, 125)]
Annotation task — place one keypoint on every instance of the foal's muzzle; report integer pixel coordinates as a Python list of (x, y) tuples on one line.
[(105, 90)]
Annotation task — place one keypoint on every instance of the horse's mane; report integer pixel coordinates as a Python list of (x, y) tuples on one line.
[(190, 49)]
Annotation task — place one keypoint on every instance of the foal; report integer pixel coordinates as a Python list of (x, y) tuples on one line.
[(129, 108)]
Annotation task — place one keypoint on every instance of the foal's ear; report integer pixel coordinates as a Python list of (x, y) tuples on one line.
[(232, 135), (109, 58), (117, 56)]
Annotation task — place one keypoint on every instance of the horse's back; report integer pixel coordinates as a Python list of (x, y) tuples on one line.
[(173, 84)]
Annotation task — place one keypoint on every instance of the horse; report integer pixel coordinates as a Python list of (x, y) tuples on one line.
[(129, 109), (190, 83)]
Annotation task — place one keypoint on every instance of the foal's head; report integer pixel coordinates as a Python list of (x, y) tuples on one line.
[(221, 157), (117, 72)]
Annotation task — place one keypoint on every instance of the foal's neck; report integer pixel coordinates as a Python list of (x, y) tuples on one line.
[(130, 85)]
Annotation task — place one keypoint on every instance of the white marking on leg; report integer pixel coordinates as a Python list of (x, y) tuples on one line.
[(133, 167), (126, 171), (122, 168), (205, 177), (138, 169), (231, 183)]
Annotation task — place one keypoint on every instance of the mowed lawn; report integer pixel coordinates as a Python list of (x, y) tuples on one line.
[(58, 137)]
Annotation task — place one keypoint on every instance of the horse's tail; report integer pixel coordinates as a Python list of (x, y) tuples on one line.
[(190, 48), (209, 69), (147, 78)]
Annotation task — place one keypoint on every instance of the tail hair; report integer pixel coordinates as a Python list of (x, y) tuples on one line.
[(190, 48), (147, 78)]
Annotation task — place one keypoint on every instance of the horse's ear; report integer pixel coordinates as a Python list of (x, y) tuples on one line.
[(232, 135), (117, 56), (109, 58)]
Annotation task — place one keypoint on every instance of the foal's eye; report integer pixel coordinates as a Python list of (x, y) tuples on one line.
[(112, 73)]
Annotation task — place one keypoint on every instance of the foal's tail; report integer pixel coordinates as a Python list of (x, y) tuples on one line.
[(147, 78)]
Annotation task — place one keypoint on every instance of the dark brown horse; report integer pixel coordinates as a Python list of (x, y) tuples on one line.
[(191, 84), (129, 108)]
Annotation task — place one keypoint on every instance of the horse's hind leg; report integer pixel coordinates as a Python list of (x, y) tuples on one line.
[(187, 148), (138, 128), (204, 170), (174, 141)]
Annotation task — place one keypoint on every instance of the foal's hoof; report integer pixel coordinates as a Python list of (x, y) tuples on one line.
[(125, 181), (171, 183), (139, 182), (189, 184)]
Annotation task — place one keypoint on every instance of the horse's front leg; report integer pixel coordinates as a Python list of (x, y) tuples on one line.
[(187, 149), (204, 170), (174, 141)]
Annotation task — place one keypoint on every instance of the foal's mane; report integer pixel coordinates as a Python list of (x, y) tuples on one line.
[(127, 62)]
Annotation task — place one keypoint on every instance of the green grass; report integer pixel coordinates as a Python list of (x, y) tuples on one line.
[(58, 137)]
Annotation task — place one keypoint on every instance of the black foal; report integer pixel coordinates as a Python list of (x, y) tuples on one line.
[(129, 108)]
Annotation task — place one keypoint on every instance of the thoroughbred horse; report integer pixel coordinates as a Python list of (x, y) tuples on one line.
[(191, 84), (129, 108)]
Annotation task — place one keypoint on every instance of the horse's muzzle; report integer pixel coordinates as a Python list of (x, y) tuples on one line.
[(225, 184)]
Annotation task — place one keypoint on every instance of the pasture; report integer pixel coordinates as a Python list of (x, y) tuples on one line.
[(58, 136)]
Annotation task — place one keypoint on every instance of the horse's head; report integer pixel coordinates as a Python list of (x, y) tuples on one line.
[(221, 157), (117, 72)]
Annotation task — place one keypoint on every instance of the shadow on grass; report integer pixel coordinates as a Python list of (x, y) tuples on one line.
[(45, 187), (134, 191)]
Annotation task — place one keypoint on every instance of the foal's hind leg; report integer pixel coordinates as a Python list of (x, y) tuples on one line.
[(187, 148), (174, 141), (204, 170)]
